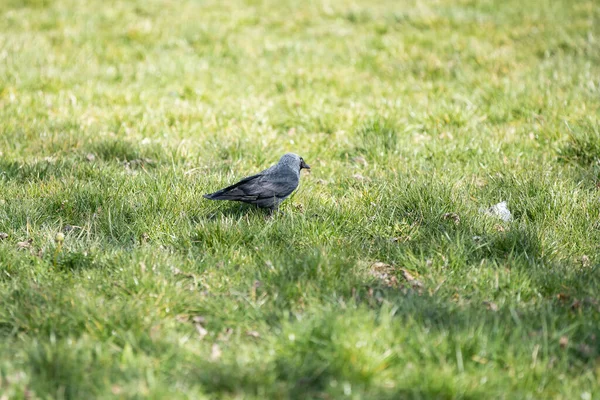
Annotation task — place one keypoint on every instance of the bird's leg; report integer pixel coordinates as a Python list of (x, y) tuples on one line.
[(270, 212), (273, 210)]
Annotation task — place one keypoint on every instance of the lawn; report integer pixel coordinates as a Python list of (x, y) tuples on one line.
[(381, 279)]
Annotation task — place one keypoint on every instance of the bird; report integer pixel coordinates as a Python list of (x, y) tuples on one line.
[(268, 188)]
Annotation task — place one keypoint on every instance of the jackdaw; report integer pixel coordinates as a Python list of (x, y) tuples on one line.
[(268, 188)]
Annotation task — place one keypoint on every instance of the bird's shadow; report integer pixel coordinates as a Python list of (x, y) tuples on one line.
[(234, 211)]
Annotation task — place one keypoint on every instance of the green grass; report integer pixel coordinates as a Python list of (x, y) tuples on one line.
[(116, 116)]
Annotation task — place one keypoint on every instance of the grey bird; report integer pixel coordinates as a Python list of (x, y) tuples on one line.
[(268, 188)]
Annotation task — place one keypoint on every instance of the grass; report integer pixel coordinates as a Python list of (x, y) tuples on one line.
[(116, 116)]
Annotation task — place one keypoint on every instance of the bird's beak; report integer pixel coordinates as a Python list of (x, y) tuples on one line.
[(304, 165)]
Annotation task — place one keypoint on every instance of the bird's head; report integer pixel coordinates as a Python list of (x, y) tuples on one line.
[(294, 161)]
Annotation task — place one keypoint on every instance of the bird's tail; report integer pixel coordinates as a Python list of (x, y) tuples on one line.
[(218, 195)]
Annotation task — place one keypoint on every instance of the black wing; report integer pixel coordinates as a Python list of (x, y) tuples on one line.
[(237, 191)]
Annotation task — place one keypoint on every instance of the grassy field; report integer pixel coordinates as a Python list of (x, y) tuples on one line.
[(382, 279)]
